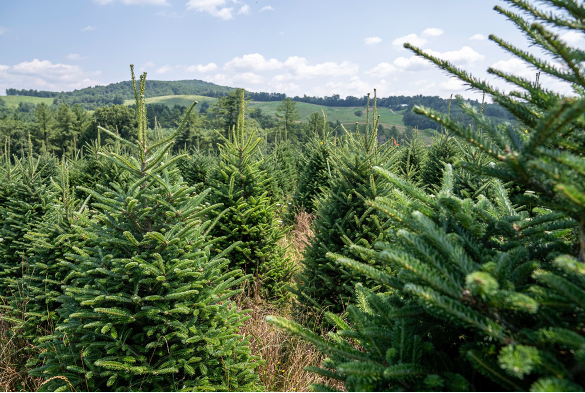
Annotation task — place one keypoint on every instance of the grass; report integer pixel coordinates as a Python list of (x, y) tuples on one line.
[(13, 101), (334, 113), (184, 100)]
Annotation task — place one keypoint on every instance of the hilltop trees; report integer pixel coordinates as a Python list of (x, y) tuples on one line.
[(287, 113)]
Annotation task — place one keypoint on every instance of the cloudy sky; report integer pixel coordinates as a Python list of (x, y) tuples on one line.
[(313, 47)]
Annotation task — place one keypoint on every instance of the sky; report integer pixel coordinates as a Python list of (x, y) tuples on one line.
[(312, 47)]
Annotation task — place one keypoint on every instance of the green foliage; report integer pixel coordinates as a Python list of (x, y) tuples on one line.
[(412, 159), (25, 199), (36, 286), (197, 168), (283, 161), (314, 177), (343, 219), (442, 151), (249, 218), (148, 308)]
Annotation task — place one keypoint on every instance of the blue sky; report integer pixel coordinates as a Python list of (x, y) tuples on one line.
[(313, 47)]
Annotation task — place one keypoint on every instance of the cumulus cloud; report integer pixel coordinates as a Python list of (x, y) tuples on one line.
[(463, 56), (572, 37), (432, 32), (412, 64), (254, 61), (202, 68), (88, 28), (164, 69), (247, 77), (452, 85), (478, 37), (515, 67), (216, 8), (382, 69), (75, 56), (45, 75), (266, 8), (134, 2), (301, 68), (245, 9), (372, 40), (411, 39), (355, 86)]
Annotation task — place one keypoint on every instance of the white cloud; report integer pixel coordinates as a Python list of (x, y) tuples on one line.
[(254, 61), (164, 69), (412, 64), (452, 84), (355, 86), (299, 67), (245, 9), (515, 67), (411, 39), (75, 56), (2, 30), (463, 56), (478, 37), (572, 37), (372, 40), (266, 8), (382, 69), (134, 2), (248, 77), (45, 75), (202, 68), (212, 7), (148, 64), (432, 32), (88, 28)]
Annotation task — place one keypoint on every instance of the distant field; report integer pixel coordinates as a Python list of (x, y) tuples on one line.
[(12, 101), (176, 100), (334, 113)]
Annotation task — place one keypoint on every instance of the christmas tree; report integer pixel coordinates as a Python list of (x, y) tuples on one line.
[(150, 307)]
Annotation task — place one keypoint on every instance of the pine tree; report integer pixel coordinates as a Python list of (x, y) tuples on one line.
[(442, 151), (26, 200), (412, 159), (506, 282), (343, 219), (197, 168), (283, 160), (314, 177), (34, 301), (150, 308), (249, 218)]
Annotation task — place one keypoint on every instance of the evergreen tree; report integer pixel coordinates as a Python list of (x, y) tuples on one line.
[(283, 161), (45, 124), (343, 219), (288, 114), (26, 200), (197, 168), (505, 283), (314, 177), (442, 151), (150, 307), (241, 187), (33, 302), (412, 159)]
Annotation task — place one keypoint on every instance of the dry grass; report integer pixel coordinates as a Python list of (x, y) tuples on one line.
[(14, 353)]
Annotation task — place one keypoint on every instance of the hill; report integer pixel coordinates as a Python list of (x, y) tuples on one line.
[(13, 101)]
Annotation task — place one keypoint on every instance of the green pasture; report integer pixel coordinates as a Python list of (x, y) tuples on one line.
[(13, 101)]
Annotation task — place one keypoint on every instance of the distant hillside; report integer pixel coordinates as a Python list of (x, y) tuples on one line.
[(117, 93)]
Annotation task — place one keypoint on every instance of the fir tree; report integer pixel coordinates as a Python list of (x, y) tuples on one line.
[(314, 177), (26, 200), (33, 302), (150, 309), (412, 159), (343, 219), (442, 151), (249, 218), (197, 168)]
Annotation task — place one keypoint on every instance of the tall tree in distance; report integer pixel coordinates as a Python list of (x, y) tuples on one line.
[(45, 124), (287, 112)]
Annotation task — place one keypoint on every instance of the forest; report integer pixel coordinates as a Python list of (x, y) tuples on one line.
[(215, 248)]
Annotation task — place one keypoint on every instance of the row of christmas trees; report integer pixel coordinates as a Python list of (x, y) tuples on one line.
[(429, 276)]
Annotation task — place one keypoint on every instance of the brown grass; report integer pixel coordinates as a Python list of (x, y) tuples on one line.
[(14, 353)]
